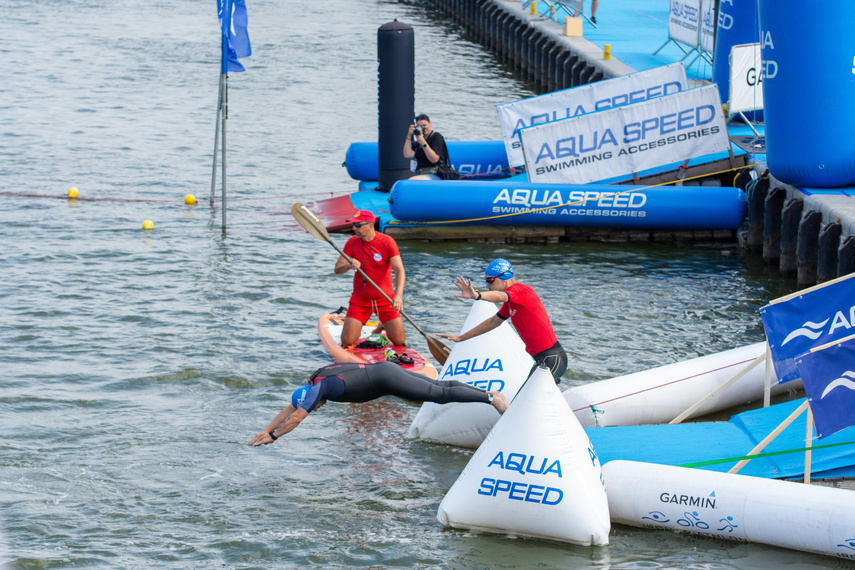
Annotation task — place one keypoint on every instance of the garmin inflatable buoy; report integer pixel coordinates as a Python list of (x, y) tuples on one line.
[(535, 475), (496, 361), (734, 507)]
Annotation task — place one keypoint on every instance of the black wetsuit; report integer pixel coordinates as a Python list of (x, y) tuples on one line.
[(554, 358), (363, 382)]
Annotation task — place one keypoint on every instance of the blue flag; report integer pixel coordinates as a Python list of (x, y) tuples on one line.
[(233, 22), (829, 378), (808, 319)]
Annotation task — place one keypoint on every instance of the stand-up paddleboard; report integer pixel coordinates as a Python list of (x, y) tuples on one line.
[(330, 326)]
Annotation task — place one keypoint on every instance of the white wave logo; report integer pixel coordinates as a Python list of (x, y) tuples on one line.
[(809, 329), (844, 382)]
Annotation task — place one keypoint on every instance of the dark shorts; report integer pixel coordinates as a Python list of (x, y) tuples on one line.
[(554, 358)]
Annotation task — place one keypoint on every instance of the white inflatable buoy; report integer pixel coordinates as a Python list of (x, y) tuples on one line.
[(535, 475), (736, 507), (496, 361), (658, 395)]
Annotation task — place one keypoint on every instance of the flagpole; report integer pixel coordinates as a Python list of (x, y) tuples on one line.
[(224, 84), (225, 116), (232, 12), (216, 141)]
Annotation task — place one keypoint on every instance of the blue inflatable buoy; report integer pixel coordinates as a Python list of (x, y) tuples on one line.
[(808, 82), (473, 159)]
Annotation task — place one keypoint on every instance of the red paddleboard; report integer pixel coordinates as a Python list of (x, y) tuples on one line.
[(329, 328)]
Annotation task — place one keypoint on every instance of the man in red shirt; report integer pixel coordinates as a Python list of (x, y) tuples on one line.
[(377, 255), (525, 310)]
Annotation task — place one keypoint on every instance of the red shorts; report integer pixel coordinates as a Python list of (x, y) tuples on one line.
[(361, 309)]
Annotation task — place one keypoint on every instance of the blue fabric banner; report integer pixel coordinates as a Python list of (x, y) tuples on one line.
[(829, 378), (235, 35), (803, 321)]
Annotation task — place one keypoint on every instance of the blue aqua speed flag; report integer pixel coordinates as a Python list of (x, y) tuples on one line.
[(807, 319), (829, 378), (233, 21)]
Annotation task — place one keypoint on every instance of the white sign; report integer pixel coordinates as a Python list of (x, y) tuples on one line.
[(596, 96), (746, 88), (626, 139), (684, 22)]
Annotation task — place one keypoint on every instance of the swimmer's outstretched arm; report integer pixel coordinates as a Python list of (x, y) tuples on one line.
[(485, 326), (288, 419)]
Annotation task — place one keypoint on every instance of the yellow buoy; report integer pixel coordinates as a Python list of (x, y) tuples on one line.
[(72, 192), (147, 225), (189, 199)]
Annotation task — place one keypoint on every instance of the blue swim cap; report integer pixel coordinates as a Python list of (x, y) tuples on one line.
[(500, 269), (299, 395)]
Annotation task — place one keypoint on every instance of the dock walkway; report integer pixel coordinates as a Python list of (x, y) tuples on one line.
[(808, 232)]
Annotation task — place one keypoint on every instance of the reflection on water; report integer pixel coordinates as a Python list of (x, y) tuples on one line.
[(138, 363)]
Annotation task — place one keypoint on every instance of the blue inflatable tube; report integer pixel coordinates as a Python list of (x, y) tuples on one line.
[(476, 159), (506, 203)]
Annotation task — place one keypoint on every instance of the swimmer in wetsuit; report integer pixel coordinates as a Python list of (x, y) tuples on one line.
[(364, 382)]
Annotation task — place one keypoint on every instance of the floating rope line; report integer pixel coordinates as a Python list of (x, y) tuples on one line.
[(577, 202), (181, 200), (284, 223)]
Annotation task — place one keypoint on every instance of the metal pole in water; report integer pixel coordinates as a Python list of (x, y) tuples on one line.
[(216, 140), (225, 116)]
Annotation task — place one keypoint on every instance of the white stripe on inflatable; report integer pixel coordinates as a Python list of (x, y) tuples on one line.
[(535, 475), (495, 361), (659, 395), (736, 507)]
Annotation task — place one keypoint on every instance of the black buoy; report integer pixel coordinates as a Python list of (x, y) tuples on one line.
[(846, 256), (756, 207), (808, 246), (790, 217), (772, 225), (826, 257), (396, 98)]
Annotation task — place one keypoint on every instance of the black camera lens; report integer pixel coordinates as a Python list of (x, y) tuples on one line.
[(417, 131)]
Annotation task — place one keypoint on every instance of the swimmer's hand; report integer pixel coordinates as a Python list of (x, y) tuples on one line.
[(263, 438)]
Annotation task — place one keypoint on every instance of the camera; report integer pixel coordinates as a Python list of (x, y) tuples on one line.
[(417, 131)]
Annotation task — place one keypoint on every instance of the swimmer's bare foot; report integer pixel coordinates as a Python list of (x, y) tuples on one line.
[(499, 402)]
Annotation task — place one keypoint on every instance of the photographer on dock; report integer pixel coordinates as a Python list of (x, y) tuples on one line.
[(427, 147)]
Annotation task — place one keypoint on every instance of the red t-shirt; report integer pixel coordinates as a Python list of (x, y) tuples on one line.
[(375, 257), (529, 317)]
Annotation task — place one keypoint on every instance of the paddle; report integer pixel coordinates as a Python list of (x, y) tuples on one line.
[(312, 224)]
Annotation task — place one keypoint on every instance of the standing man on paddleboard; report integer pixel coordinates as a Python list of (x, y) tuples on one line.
[(353, 382), (377, 255), (525, 310)]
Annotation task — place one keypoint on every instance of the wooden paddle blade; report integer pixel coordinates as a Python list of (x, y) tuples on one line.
[(310, 222), (439, 350)]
